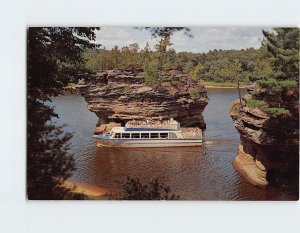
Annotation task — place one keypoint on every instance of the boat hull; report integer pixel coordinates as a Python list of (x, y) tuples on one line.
[(147, 143)]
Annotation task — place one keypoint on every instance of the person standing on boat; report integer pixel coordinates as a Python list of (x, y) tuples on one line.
[(104, 130)]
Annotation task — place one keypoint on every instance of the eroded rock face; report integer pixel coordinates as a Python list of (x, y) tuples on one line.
[(114, 95), (269, 150), (252, 169)]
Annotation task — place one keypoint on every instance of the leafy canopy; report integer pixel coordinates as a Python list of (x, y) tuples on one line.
[(54, 59)]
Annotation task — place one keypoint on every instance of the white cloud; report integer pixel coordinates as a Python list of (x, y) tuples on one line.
[(205, 38)]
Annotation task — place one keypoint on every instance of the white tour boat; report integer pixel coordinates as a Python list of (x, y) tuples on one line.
[(150, 134)]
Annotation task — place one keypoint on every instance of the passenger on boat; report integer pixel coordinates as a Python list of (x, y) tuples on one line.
[(103, 131)]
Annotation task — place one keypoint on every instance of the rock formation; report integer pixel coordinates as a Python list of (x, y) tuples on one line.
[(120, 96), (268, 153)]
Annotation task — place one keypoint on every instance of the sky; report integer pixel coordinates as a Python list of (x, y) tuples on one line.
[(204, 38)]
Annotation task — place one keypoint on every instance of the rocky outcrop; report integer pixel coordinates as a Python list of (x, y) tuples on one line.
[(120, 96), (252, 169), (268, 153)]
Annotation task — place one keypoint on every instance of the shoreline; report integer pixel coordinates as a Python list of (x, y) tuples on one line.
[(220, 87), (85, 188)]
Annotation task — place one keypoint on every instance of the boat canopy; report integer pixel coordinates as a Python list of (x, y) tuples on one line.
[(153, 124)]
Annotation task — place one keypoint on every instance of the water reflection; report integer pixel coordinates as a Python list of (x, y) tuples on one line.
[(201, 173), (170, 165)]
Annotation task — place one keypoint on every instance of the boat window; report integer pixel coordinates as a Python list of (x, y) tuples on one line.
[(117, 135), (154, 135), (125, 135), (172, 135), (163, 135), (135, 135), (144, 135)]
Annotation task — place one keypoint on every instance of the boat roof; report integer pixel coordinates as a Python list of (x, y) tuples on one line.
[(147, 129), (129, 130)]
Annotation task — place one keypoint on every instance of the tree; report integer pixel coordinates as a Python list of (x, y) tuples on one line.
[(162, 45), (280, 88), (133, 189), (151, 73), (188, 67), (54, 58), (283, 44), (197, 72), (145, 53), (116, 54), (164, 32)]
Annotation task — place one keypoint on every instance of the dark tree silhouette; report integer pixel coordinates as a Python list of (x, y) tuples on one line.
[(54, 58), (164, 32), (133, 189)]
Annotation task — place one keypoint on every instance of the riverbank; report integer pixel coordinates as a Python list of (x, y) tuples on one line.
[(93, 192), (211, 85)]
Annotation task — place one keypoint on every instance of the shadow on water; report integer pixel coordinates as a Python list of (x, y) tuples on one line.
[(200, 173)]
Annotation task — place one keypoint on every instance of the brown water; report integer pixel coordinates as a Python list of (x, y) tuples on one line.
[(197, 173)]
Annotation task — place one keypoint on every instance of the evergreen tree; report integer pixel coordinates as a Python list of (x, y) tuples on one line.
[(283, 44), (54, 58), (280, 88), (188, 67), (151, 74)]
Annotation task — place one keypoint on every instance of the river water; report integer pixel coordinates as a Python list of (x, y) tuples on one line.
[(200, 173)]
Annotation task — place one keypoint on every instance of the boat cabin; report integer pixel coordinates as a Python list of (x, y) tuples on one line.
[(136, 133)]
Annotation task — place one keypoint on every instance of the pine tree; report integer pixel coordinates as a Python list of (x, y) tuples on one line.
[(279, 89)]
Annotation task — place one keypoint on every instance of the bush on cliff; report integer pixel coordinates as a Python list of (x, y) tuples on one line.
[(196, 92), (276, 112), (252, 103)]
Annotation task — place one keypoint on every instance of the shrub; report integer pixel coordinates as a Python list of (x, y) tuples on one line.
[(196, 92), (253, 103), (127, 89), (197, 72), (133, 189), (276, 112)]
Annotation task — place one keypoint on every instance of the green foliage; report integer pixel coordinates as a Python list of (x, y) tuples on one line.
[(197, 72), (133, 189), (54, 59), (283, 45), (127, 89), (215, 66), (282, 75), (277, 79), (163, 44), (216, 84), (151, 74), (71, 85), (287, 84), (188, 67), (274, 86), (252, 103), (276, 112), (196, 92)]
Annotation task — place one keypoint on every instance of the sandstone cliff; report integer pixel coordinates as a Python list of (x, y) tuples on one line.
[(268, 154), (116, 96)]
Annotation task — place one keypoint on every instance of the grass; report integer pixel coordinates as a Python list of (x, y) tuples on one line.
[(215, 84), (71, 85)]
